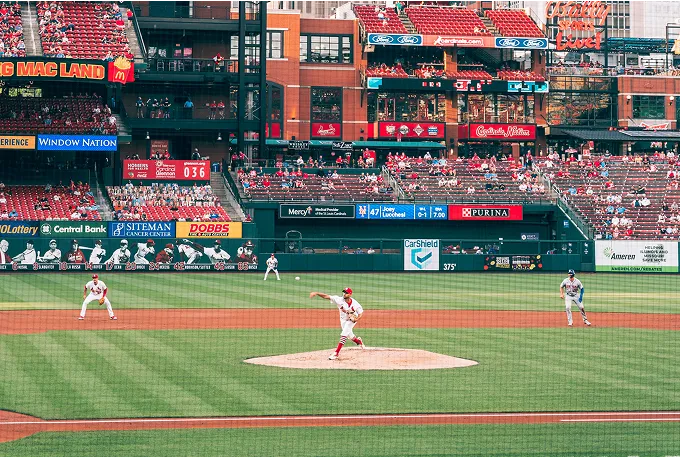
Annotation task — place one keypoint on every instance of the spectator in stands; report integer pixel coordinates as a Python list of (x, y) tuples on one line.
[(140, 107), (130, 15), (188, 109), (645, 202), (220, 109)]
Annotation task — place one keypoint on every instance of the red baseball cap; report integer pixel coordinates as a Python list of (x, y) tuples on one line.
[(95, 276), (347, 290)]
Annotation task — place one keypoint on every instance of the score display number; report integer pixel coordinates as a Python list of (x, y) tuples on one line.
[(194, 172)]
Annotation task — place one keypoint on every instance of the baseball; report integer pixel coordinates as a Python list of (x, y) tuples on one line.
[(297, 278)]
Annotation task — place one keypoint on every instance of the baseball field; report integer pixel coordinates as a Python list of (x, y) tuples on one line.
[(171, 376)]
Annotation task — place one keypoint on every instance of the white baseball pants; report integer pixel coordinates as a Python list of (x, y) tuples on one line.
[(91, 298), (274, 270)]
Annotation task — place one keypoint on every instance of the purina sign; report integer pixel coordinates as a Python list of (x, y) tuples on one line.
[(503, 131), (485, 213)]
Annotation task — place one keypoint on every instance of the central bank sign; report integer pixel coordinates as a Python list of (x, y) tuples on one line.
[(74, 229), (316, 211), (421, 255)]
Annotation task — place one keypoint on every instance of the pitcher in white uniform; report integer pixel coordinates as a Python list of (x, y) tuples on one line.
[(574, 294), (350, 313), (96, 290)]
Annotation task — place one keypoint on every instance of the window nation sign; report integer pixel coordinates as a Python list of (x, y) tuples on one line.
[(77, 143), (485, 213)]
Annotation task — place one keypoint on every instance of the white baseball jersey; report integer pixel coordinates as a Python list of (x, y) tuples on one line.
[(573, 288), (272, 263), (345, 308), (215, 255), (118, 254), (189, 252), (97, 254), (96, 290), (142, 251), (29, 256), (51, 256)]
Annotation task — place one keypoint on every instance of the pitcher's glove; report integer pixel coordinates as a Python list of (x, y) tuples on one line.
[(101, 301), (352, 317)]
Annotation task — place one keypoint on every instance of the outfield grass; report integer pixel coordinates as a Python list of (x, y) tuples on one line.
[(636, 293), (105, 374), (554, 440)]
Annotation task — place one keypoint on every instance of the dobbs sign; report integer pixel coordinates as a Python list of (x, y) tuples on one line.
[(209, 229), (118, 71)]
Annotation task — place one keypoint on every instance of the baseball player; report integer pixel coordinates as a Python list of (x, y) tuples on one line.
[(272, 265), (142, 250), (98, 253), (28, 257), (51, 256), (96, 290), (574, 291), (120, 255), (75, 255), (188, 251), (4, 257), (166, 255), (350, 313), (216, 253)]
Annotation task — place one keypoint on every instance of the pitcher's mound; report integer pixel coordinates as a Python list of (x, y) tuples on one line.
[(365, 359)]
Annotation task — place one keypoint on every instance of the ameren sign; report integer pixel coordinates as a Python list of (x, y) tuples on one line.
[(636, 256), (578, 16)]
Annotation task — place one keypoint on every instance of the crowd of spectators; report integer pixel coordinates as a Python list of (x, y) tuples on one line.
[(130, 202), (11, 31), (83, 30), (519, 75), (60, 202)]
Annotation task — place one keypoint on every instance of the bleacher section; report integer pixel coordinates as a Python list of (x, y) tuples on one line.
[(166, 202), (11, 31), (55, 115), (518, 75), (373, 24), (473, 180), (470, 74), (597, 185), (34, 203), (514, 23), (395, 71), (447, 21), (83, 30), (342, 188)]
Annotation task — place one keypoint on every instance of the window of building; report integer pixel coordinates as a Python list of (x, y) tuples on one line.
[(326, 48), (648, 107), (275, 44), (327, 104), (406, 107), (582, 108), (274, 109)]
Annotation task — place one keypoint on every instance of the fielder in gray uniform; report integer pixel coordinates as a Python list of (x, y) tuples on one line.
[(574, 293)]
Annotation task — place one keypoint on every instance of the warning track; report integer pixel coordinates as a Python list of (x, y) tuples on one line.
[(23, 322), (14, 426)]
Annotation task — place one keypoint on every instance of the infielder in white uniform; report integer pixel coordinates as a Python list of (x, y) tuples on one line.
[(574, 294), (51, 256), (142, 250), (28, 257), (120, 255), (272, 265), (350, 313), (96, 290)]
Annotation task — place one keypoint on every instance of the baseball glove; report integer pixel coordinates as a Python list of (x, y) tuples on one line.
[(101, 301), (352, 317)]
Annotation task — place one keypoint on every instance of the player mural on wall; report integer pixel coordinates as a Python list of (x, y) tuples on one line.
[(53, 255), (144, 249), (98, 253), (192, 252), (74, 255), (28, 256), (120, 255), (4, 247), (245, 253), (166, 254)]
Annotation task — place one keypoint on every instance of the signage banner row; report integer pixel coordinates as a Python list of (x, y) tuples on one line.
[(458, 85), (393, 39), (119, 71), (513, 262), (175, 229), (287, 211), (129, 254), (389, 211), (169, 170), (430, 130), (636, 256)]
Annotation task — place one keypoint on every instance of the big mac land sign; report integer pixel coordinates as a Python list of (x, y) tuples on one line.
[(118, 71), (580, 24)]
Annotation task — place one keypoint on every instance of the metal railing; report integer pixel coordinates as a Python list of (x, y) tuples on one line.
[(215, 11), (190, 65), (179, 112)]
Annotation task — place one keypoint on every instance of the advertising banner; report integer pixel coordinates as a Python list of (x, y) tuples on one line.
[(521, 43), (326, 130), (636, 256), (503, 131), (298, 145), (486, 212), (209, 229), (421, 255), (430, 130), (316, 211), (134, 254), (19, 228), (168, 170), (458, 85), (77, 143), (448, 41), (513, 263), (36, 68), (527, 87), (68, 229), (142, 229), (432, 212), (17, 142), (392, 39), (401, 212)]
